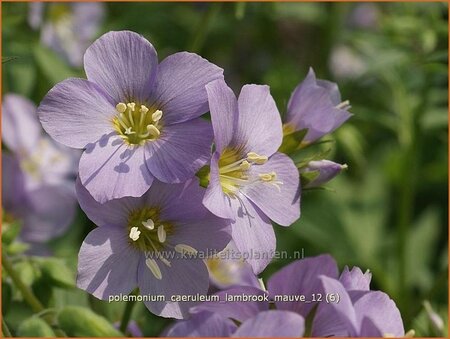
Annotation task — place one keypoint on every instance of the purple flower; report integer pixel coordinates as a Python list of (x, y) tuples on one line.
[(266, 324), (358, 312), (315, 105), (153, 242), (250, 183), (137, 120), (228, 269), (68, 28), (324, 171), (38, 175)]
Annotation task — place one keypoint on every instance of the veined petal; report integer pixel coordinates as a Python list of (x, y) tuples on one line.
[(335, 319), (313, 105), (76, 112), (187, 276), (270, 324), (215, 199), (382, 311), (124, 64), (113, 212), (224, 113), (179, 90), (280, 202), (259, 123), (203, 324), (109, 169), (107, 265), (252, 233), (303, 277), (20, 125), (180, 151)]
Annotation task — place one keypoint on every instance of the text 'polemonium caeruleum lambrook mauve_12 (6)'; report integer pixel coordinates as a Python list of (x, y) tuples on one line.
[(250, 183), (38, 174), (136, 119), (152, 242), (355, 310)]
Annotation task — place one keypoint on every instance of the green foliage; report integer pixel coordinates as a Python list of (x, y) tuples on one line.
[(35, 327), (82, 322)]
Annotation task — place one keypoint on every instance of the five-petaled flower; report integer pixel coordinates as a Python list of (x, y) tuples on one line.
[(154, 242), (249, 182), (136, 120)]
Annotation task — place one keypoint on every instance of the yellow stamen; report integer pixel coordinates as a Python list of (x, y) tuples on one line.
[(154, 268)]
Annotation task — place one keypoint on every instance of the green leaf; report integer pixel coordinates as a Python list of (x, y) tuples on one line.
[(10, 230), (56, 272), (292, 141), (308, 177), (6, 296), (35, 327), (82, 322)]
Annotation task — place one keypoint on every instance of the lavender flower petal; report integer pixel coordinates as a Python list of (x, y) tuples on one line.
[(280, 203), (48, 213), (124, 64), (314, 105), (107, 265), (113, 212), (180, 152), (224, 113), (76, 112), (20, 125), (303, 276), (381, 310), (215, 199), (273, 323), (180, 86), (109, 169), (203, 324), (187, 276), (327, 170), (335, 319), (252, 233), (13, 184), (259, 122), (355, 279)]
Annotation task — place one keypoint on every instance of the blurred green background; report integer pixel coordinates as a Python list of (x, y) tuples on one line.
[(388, 212)]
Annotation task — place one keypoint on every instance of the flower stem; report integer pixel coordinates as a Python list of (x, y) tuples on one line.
[(5, 330), (27, 295), (26, 292), (126, 316)]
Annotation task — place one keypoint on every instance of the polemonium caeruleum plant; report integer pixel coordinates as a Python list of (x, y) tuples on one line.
[(136, 120), (151, 242), (355, 311), (250, 183), (38, 175), (67, 28)]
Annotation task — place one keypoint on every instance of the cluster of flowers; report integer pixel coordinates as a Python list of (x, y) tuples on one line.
[(164, 184), (356, 311)]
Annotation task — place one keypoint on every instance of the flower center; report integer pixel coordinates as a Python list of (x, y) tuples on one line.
[(146, 231), (235, 174), (136, 124)]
